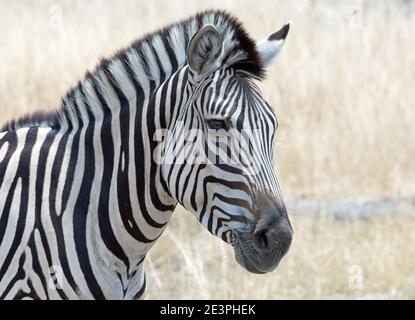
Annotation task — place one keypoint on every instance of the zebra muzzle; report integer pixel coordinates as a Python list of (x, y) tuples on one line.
[(261, 249)]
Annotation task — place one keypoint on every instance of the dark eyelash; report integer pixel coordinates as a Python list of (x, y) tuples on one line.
[(218, 124)]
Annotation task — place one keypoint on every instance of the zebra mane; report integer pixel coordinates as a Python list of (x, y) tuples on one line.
[(148, 54)]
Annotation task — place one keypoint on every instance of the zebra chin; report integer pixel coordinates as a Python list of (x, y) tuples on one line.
[(255, 267)]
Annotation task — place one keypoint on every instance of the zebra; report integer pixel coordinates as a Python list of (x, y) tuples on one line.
[(83, 194)]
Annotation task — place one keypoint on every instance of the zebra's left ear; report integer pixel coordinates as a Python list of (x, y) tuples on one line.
[(205, 50), (269, 47)]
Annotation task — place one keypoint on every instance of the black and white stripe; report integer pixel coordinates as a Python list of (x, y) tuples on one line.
[(82, 199)]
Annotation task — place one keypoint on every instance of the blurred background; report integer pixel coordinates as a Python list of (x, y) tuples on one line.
[(343, 90)]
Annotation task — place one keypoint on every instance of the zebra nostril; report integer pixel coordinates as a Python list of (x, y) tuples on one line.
[(261, 240)]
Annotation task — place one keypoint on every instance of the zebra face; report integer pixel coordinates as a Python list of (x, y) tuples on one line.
[(224, 174)]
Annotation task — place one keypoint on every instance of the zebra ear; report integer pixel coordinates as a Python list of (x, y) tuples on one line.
[(205, 50), (269, 48)]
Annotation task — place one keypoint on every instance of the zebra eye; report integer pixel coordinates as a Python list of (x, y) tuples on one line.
[(218, 124)]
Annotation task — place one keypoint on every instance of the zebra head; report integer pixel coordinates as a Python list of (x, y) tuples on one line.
[(221, 148)]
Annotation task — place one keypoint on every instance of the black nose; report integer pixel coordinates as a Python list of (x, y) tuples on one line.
[(269, 238), (262, 237), (273, 231)]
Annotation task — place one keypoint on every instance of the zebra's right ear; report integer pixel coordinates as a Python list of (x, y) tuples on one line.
[(205, 50)]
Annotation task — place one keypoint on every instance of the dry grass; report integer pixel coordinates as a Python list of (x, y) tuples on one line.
[(343, 90), (329, 259)]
